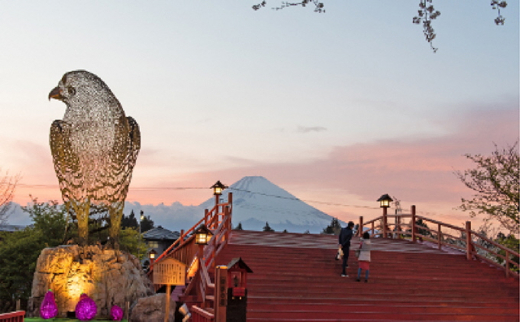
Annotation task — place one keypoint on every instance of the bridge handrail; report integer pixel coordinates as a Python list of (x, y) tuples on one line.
[(17, 316), (466, 238), (184, 248), (201, 284), (200, 315)]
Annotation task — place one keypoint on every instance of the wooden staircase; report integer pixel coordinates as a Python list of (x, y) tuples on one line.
[(295, 278)]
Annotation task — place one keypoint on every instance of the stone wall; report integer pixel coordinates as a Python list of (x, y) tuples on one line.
[(110, 277)]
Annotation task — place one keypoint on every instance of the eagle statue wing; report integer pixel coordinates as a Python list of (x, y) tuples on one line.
[(66, 162)]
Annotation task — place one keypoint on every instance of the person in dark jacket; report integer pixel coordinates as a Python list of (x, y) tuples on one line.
[(344, 241)]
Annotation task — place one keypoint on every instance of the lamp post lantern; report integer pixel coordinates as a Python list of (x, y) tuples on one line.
[(141, 217), (202, 235), (152, 254), (218, 187), (384, 202)]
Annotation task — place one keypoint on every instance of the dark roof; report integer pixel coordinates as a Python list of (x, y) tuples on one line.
[(161, 233), (241, 264)]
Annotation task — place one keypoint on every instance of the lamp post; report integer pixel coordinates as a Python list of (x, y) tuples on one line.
[(384, 202), (202, 237), (152, 254), (218, 187), (141, 217)]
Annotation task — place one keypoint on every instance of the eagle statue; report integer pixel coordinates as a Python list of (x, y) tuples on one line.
[(94, 150)]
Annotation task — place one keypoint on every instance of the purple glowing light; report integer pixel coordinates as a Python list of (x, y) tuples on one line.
[(48, 308), (116, 313), (86, 309)]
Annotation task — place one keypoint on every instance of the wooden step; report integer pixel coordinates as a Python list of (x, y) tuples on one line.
[(295, 278)]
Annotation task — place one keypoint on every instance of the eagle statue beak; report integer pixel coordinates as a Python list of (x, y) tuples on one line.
[(55, 94)]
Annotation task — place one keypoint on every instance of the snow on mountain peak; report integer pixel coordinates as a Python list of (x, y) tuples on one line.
[(256, 201)]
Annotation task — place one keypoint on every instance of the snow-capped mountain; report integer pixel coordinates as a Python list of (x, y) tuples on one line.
[(256, 201)]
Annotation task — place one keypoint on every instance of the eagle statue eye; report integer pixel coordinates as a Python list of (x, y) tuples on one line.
[(71, 90)]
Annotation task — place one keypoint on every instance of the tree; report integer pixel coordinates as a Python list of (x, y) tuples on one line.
[(426, 231), (129, 221), (146, 223), (130, 241), (333, 228), (267, 228), (511, 242), (50, 218), (19, 250), (426, 13), (239, 226), (495, 179), (7, 187)]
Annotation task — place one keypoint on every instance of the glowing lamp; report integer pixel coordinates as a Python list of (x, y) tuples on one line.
[(384, 201), (116, 313), (86, 309), (152, 254), (48, 308), (203, 235), (218, 187)]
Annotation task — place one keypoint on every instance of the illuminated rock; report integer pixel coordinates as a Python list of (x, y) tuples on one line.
[(151, 309), (108, 276)]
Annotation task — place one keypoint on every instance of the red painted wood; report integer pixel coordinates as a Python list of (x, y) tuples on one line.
[(295, 278), (17, 316)]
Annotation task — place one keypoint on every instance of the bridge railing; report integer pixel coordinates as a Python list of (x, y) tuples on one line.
[(415, 227), (186, 251), (201, 285), (17, 316)]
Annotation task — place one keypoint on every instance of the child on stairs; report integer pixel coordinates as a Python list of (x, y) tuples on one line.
[(364, 256)]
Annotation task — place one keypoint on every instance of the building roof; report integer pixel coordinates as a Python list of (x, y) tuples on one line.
[(161, 233)]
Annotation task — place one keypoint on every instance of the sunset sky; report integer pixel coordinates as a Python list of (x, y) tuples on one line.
[(337, 108)]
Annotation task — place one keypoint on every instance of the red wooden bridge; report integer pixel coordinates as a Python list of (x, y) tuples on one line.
[(295, 277)]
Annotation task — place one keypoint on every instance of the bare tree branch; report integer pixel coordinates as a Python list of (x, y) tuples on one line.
[(7, 187)]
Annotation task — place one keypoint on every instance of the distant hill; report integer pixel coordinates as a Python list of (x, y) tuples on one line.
[(255, 201)]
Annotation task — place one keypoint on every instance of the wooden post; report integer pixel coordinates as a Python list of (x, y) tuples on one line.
[(439, 236), (127, 311), (206, 217), (413, 224), (18, 307), (373, 228), (507, 263), (228, 224), (360, 229), (384, 222), (468, 240), (221, 293), (167, 306)]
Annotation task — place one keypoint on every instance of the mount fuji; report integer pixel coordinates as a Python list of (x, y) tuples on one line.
[(256, 201)]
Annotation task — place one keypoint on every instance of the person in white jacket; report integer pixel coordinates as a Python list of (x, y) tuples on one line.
[(364, 256)]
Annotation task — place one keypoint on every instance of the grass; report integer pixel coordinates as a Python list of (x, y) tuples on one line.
[(39, 319)]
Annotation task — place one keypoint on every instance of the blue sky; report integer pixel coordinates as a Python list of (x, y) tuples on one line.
[(221, 91)]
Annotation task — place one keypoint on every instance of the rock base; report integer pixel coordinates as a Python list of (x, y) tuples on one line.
[(152, 309), (110, 277)]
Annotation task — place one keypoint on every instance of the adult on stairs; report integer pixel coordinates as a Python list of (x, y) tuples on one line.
[(344, 241)]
